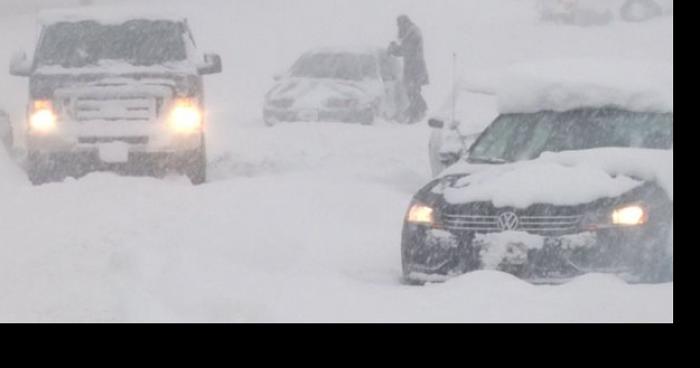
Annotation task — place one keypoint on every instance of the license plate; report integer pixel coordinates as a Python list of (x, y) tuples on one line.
[(308, 115), (115, 152)]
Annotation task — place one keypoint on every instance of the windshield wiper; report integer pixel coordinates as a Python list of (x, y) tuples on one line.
[(486, 160)]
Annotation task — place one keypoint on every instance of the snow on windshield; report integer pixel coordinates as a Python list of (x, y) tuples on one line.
[(346, 66), (86, 43)]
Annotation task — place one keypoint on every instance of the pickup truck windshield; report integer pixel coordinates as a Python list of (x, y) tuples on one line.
[(86, 43), (518, 137)]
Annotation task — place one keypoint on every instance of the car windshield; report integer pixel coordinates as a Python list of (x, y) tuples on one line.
[(346, 66), (518, 137), (137, 42)]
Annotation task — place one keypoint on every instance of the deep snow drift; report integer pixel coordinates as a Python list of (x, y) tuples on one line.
[(301, 222)]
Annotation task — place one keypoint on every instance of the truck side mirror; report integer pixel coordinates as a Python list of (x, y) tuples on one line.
[(436, 123), (212, 64), (20, 66)]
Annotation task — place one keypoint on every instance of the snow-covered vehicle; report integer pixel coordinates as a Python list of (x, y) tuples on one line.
[(556, 187), (457, 126), (6, 132), (338, 84), (641, 10), (112, 91), (598, 12), (578, 12)]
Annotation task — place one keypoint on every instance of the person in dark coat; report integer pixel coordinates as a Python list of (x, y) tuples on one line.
[(410, 48)]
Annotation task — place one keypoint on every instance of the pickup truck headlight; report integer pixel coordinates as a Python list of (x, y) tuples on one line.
[(185, 116), (421, 214), (630, 216), (42, 117)]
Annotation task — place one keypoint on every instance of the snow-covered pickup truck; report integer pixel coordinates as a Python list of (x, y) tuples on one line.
[(118, 92), (574, 176)]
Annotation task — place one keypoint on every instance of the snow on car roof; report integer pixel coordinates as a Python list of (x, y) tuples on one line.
[(561, 85), (103, 15)]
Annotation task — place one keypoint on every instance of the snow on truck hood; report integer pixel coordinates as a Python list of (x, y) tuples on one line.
[(308, 92), (565, 178), (119, 67), (565, 84)]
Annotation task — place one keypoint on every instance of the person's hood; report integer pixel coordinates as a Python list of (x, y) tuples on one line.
[(313, 93), (566, 178)]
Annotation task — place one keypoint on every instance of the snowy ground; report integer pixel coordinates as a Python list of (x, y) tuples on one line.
[(301, 222)]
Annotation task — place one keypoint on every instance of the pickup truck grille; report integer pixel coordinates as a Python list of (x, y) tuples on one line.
[(135, 109), (129, 140), (542, 225)]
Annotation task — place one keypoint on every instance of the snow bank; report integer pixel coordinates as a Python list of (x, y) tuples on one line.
[(565, 178), (561, 85)]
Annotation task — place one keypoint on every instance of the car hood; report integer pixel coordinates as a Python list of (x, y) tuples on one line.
[(313, 93), (563, 179)]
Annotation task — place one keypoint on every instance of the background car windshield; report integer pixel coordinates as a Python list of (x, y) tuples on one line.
[(336, 66), (137, 42), (517, 137)]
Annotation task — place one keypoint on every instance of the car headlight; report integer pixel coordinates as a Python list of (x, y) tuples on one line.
[(185, 116), (630, 216), (421, 214), (42, 118)]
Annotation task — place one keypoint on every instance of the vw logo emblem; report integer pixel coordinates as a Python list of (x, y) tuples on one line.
[(508, 221)]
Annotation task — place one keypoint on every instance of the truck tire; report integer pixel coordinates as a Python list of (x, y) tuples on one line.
[(40, 170), (196, 166)]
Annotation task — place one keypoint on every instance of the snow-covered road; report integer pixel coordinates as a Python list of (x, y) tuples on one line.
[(292, 234), (300, 222)]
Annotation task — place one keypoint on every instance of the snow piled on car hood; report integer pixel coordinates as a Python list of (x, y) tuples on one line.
[(565, 178), (565, 84)]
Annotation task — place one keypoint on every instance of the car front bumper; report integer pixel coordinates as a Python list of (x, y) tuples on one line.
[(316, 115), (89, 137), (432, 254)]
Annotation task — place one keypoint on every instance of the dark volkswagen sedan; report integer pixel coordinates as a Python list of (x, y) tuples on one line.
[(548, 196)]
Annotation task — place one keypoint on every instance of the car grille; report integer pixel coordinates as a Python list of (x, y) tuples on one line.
[(136, 109), (543, 225)]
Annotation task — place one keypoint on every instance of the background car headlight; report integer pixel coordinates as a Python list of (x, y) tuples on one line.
[(42, 118), (420, 214), (185, 116), (630, 215)]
